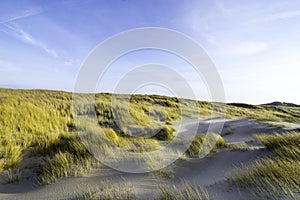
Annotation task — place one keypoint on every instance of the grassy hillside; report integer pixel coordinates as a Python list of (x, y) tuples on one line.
[(36, 123), (40, 124)]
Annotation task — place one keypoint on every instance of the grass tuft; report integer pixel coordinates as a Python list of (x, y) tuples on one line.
[(166, 133), (199, 140), (107, 191), (12, 175), (187, 192), (278, 176), (241, 146)]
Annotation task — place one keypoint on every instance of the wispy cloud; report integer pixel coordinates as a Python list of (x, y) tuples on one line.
[(70, 62), (22, 35), (26, 13), (277, 16)]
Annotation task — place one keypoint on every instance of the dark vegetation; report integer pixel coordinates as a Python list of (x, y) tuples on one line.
[(278, 103)]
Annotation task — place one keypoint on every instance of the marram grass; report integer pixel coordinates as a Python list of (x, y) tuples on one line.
[(274, 177), (40, 123)]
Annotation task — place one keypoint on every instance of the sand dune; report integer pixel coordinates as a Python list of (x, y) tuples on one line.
[(210, 172)]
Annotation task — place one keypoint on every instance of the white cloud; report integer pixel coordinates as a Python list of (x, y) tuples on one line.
[(248, 48), (277, 16), (29, 39), (26, 13), (243, 49)]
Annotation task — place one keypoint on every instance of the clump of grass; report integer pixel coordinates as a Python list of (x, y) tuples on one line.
[(166, 133), (13, 156), (109, 136), (164, 173), (61, 165), (2, 163), (72, 159), (194, 148), (187, 192), (89, 194), (241, 146), (199, 140), (275, 141), (108, 191), (221, 143), (277, 176), (12, 175)]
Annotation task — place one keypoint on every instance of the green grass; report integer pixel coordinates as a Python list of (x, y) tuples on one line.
[(278, 176)]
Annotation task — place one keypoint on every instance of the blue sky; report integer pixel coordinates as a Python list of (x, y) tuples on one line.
[(254, 44)]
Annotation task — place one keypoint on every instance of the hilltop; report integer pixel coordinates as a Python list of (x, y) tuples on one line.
[(278, 103)]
